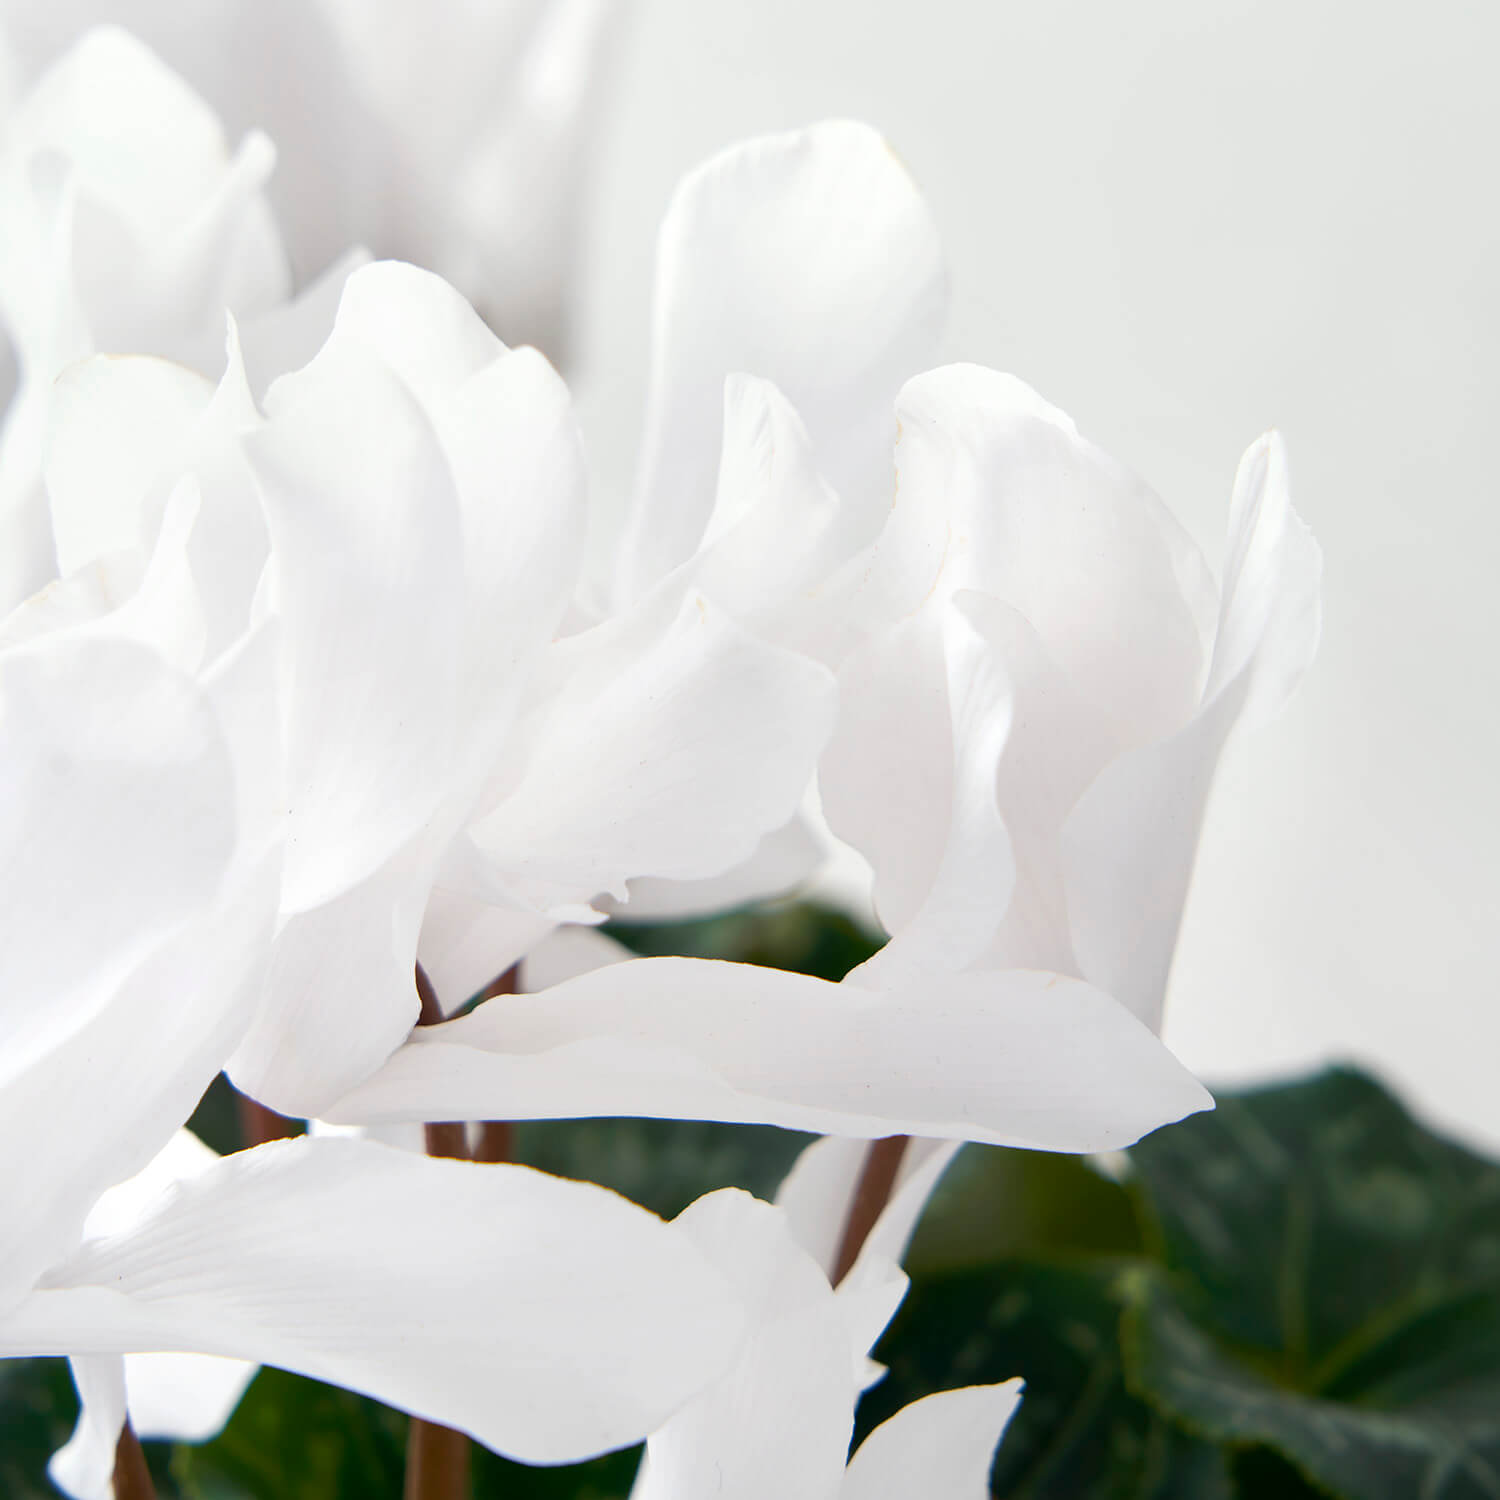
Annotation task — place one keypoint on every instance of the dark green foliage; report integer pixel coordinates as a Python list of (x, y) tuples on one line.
[(37, 1408), (803, 938), (662, 1164), (1314, 1309)]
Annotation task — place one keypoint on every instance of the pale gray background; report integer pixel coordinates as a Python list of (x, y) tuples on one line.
[(1185, 222)]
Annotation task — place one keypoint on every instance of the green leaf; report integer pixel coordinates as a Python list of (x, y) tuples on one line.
[(804, 937), (997, 1204), (661, 1164), (37, 1410), (1332, 1290), (296, 1439), (607, 1478), (1079, 1434)]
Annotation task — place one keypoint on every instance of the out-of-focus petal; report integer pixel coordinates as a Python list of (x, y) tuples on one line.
[(808, 259), (672, 747), (118, 430), (942, 1445), (186, 1398), (550, 1320), (84, 1466), (1018, 1059)]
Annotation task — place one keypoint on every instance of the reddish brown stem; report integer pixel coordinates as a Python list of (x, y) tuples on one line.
[(876, 1181), (259, 1124), (132, 1477), (437, 1457), (437, 1462)]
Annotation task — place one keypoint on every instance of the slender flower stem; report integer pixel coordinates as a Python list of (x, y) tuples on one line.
[(876, 1182), (132, 1478), (437, 1457), (437, 1463), (259, 1124)]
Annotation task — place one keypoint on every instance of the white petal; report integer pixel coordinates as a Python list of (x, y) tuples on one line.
[(1016, 1058), (778, 1423), (84, 1466), (340, 995), (567, 953), (942, 1445), (352, 470), (784, 859), (187, 1398), (1128, 846), (507, 430), (512, 229), (118, 428), (910, 780), (999, 494), (672, 747), (117, 818), (1272, 611), (288, 336), (551, 1320), (465, 943), (808, 259)]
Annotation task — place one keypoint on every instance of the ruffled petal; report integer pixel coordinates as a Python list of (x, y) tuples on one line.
[(785, 858), (340, 995), (999, 494), (674, 744), (1017, 1059), (1128, 846), (942, 1445), (550, 1320), (352, 470), (909, 780), (127, 925), (808, 259), (84, 1466), (779, 1422)]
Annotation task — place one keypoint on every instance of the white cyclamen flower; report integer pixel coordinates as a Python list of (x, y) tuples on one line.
[(810, 256), (401, 527), (126, 226), (449, 134)]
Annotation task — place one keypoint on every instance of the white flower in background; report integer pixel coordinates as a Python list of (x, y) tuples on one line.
[(451, 134), (550, 1320), (403, 527), (126, 226)]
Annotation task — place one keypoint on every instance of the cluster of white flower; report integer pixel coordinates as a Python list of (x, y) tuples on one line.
[(323, 677)]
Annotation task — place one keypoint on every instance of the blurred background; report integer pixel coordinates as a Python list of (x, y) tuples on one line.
[(1185, 223)]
